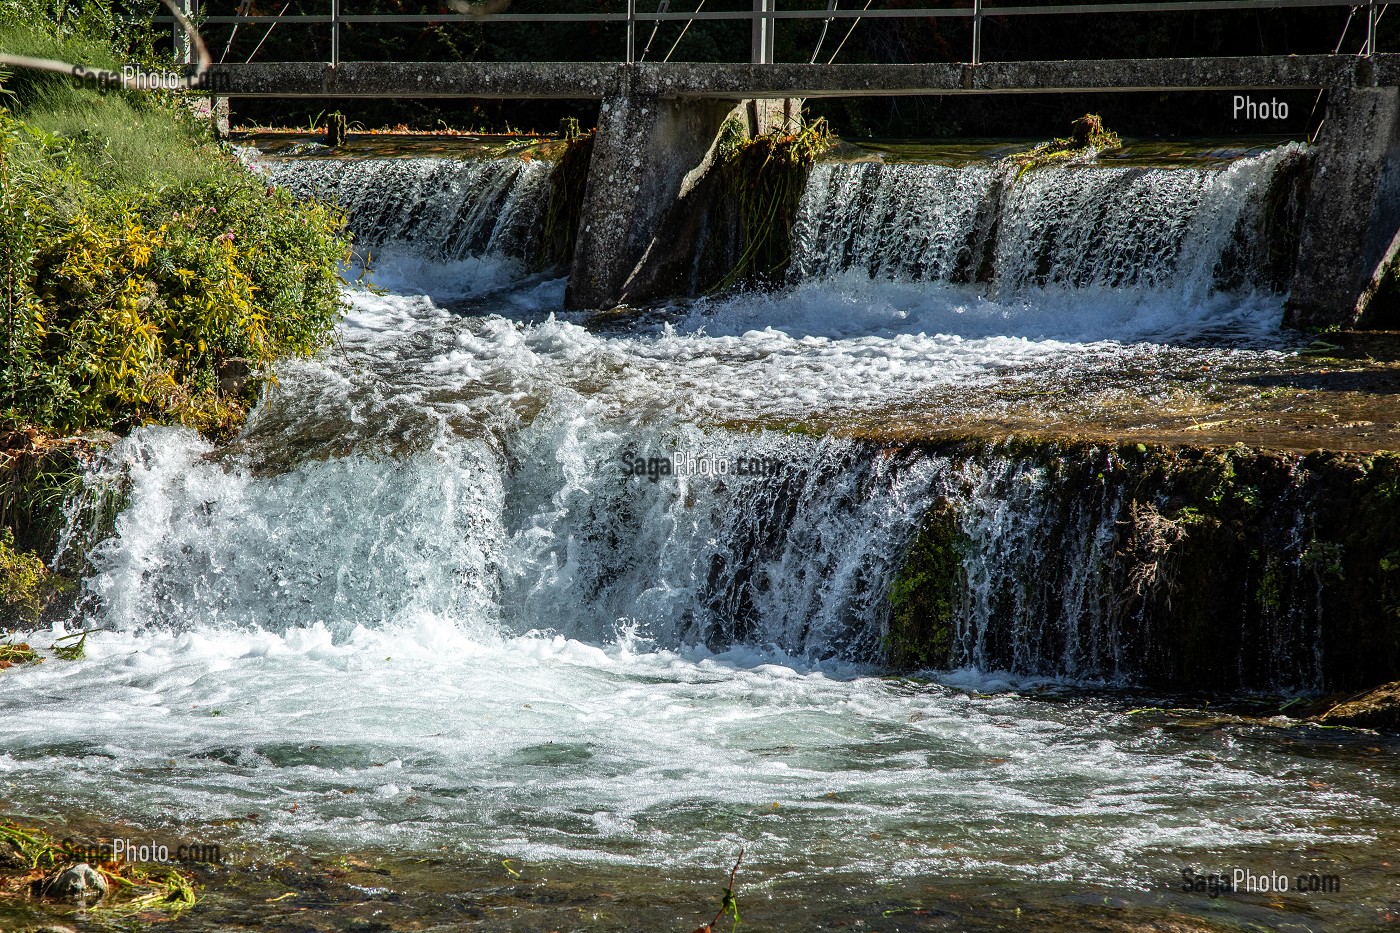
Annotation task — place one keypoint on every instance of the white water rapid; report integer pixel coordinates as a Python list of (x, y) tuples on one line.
[(421, 605)]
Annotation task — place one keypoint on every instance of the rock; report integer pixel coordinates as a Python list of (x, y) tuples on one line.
[(1376, 709), (234, 374), (82, 881), (336, 130)]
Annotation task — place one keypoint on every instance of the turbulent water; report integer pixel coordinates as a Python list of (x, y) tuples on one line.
[(1081, 226), (441, 209), (434, 571)]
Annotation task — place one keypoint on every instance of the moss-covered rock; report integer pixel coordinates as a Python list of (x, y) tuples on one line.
[(1197, 568), (1375, 709), (52, 513), (922, 595)]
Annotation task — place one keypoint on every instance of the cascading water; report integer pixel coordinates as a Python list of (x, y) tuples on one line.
[(503, 498), (442, 209), (441, 595), (898, 221), (1073, 226)]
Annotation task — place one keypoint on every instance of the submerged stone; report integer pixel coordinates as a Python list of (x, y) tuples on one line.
[(1377, 709), (80, 881)]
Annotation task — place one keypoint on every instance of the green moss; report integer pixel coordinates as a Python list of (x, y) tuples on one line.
[(923, 594), (1188, 516), (1324, 558), (1389, 565), (764, 177), (1088, 136), (567, 183), (1267, 593)]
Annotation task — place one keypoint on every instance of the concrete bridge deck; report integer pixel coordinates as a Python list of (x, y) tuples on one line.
[(684, 80)]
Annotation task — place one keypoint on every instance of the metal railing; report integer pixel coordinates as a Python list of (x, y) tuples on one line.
[(765, 16)]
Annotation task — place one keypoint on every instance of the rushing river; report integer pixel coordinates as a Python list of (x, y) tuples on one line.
[(424, 606)]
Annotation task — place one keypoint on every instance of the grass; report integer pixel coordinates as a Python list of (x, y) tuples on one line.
[(123, 140), (1088, 136)]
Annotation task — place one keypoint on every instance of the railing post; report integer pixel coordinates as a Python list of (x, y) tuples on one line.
[(335, 33), (184, 54), (976, 32), (762, 52), (1371, 27), (631, 31)]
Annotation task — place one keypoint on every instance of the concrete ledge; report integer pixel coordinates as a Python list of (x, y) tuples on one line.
[(596, 80)]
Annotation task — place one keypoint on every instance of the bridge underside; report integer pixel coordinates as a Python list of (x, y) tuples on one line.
[(682, 80)]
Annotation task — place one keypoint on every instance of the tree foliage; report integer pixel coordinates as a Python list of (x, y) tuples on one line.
[(144, 273)]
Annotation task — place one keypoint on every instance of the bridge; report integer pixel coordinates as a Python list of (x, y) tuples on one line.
[(725, 81), (660, 119)]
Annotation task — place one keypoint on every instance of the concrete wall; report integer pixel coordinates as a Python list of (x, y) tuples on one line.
[(637, 237), (1353, 207), (595, 80)]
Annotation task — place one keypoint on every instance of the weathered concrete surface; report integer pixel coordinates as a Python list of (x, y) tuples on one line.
[(774, 115), (650, 157), (581, 80), (592, 80), (1353, 207)]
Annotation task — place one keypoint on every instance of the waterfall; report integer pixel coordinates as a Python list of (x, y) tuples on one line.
[(899, 221), (1075, 225), (1084, 566), (481, 468), (1097, 567), (440, 209), (550, 534)]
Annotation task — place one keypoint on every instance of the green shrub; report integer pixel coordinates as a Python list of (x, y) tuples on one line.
[(134, 304), (26, 584), (144, 273)]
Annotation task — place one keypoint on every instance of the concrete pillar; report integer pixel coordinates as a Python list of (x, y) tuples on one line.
[(1353, 207), (219, 115), (649, 158), (779, 115)]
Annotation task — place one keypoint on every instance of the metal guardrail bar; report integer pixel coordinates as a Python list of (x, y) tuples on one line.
[(764, 17), (1167, 6)]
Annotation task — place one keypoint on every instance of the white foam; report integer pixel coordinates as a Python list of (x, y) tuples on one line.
[(419, 735)]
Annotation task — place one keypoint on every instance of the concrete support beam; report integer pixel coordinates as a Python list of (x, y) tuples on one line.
[(1353, 207), (735, 82), (650, 157)]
